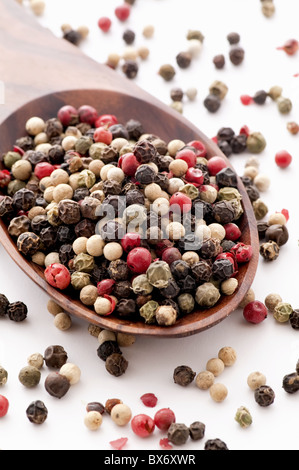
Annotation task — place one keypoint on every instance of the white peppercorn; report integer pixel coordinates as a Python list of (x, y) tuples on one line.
[(63, 321), (121, 414), (106, 335), (72, 372), (229, 286), (218, 392), (35, 125), (204, 380), (88, 295), (216, 366), (124, 339), (228, 356), (54, 308), (93, 420), (249, 297), (113, 251), (95, 245), (255, 380)]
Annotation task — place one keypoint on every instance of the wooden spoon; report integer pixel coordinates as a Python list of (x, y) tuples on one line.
[(41, 73)]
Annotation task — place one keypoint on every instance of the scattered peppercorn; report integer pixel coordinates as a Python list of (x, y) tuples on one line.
[(215, 444), (183, 375), (178, 434), (37, 412), (264, 396)]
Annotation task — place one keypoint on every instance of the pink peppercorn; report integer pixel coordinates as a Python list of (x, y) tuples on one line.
[(216, 164), (188, 155), (171, 254), (57, 275), (182, 200), (88, 114), (68, 115), (123, 12), (290, 47), (106, 120), (4, 405), (131, 241), (194, 176), (103, 135), (232, 231), (283, 159), (4, 178), (143, 425), (255, 312), (201, 150), (119, 444), (104, 24), (129, 164), (139, 260), (43, 169), (105, 287), (242, 252), (165, 444), (246, 100), (164, 418)]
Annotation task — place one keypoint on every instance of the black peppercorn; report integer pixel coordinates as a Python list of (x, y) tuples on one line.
[(122, 289), (57, 385), (178, 434), (85, 228), (187, 285), (6, 206), (212, 103), (176, 94), (66, 254), (107, 348), (48, 237), (28, 243), (171, 291), (112, 230), (65, 234), (53, 128), (129, 36), (144, 151), (56, 155), (210, 248), (126, 308), (236, 55), (119, 130), (215, 444), (145, 174), (130, 69), (197, 431), (238, 143), (219, 61), (201, 271), (98, 274), (35, 157), (24, 199), (39, 222), (269, 250), (118, 270), (183, 375), (227, 177), (112, 187), (227, 245), (225, 147), (222, 269), (264, 396), (260, 97), (135, 129), (233, 38), (4, 303), (80, 194), (17, 311), (72, 36), (134, 196), (225, 133), (291, 383), (25, 143), (116, 364), (278, 234), (180, 269), (55, 357), (184, 59), (252, 192), (37, 412), (294, 319), (223, 212)]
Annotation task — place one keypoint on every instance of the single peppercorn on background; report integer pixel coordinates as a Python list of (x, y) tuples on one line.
[(159, 30)]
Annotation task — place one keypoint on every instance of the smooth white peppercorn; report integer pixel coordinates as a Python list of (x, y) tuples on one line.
[(72, 372), (277, 219), (255, 380), (228, 356), (102, 306), (106, 335), (79, 245), (63, 321), (178, 167), (249, 297), (59, 176), (174, 146), (218, 392), (217, 231), (112, 251), (93, 420), (191, 93), (216, 366), (35, 125), (272, 300), (53, 307), (22, 170), (62, 191), (88, 295), (95, 245), (204, 380), (121, 414), (229, 286), (262, 182), (190, 257), (152, 191)]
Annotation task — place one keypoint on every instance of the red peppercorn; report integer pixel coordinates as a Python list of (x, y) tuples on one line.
[(18, 150), (188, 155), (194, 176), (43, 169), (243, 252), (200, 147), (4, 178), (246, 100), (285, 212), (283, 159), (164, 418), (232, 232), (4, 405), (129, 164), (149, 399), (106, 120), (290, 47), (165, 444), (57, 275), (88, 114), (162, 246), (171, 254), (182, 200), (142, 425), (215, 139), (105, 287), (255, 312), (123, 12), (68, 115), (103, 135), (104, 24), (216, 164), (112, 302), (139, 260), (245, 130), (131, 241)]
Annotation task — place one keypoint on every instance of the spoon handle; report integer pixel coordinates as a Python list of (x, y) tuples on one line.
[(34, 62)]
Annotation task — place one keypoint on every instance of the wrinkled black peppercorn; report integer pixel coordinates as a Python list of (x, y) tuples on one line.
[(4, 303), (145, 151), (107, 348), (212, 103), (291, 383), (130, 69), (294, 319), (17, 311), (215, 444), (197, 430), (116, 364), (222, 269), (227, 177), (37, 412), (264, 396), (178, 434), (55, 356), (183, 375), (145, 174)]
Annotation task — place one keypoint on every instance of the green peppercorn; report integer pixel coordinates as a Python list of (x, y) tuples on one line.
[(29, 376), (284, 105), (3, 376), (84, 263), (282, 312), (260, 209), (219, 89), (207, 295), (148, 311), (158, 274), (243, 417), (256, 142)]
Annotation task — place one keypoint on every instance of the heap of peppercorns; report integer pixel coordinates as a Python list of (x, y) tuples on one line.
[(142, 263)]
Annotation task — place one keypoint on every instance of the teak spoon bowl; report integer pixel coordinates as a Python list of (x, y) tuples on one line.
[(41, 73)]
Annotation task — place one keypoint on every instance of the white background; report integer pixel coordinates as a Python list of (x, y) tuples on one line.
[(270, 347)]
